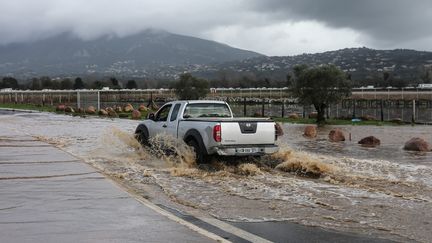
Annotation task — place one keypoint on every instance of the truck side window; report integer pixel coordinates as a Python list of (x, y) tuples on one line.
[(175, 111), (162, 115)]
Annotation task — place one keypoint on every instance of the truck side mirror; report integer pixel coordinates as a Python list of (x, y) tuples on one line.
[(151, 116)]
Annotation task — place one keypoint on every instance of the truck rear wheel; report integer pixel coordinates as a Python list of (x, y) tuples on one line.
[(200, 156)]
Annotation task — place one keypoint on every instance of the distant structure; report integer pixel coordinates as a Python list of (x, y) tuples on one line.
[(425, 86)]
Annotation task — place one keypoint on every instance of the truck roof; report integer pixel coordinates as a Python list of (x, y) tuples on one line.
[(199, 101)]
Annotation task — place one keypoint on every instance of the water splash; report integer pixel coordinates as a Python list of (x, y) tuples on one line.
[(303, 164)]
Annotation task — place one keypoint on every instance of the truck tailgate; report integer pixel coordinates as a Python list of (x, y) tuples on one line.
[(247, 132)]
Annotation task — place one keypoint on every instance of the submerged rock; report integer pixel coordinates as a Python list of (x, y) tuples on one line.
[(368, 118), (142, 108), (69, 109), (90, 110), (60, 108), (128, 108), (103, 112), (417, 144), (310, 131), (370, 141), (112, 113), (336, 135), (313, 115), (397, 120), (294, 116), (136, 114), (118, 109)]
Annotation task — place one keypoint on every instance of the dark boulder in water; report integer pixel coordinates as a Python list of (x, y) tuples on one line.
[(370, 141), (310, 131), (336, 135), (417, 144)]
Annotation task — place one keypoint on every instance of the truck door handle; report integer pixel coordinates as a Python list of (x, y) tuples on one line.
[(164, 126)]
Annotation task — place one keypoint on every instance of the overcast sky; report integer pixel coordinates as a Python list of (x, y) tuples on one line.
[(271, 27)]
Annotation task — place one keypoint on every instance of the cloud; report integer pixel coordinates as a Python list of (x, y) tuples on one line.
[(286, 38), (381, 22), (274, 27)]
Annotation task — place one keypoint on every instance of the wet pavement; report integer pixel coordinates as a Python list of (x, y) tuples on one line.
[(47, 195)]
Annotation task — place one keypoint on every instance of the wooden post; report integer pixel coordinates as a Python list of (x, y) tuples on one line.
[(382, 110), (262, 107), (244, 107), (354, 109), (413, 112), (78, 100), (98, 100), (283, 109), (150, 100)]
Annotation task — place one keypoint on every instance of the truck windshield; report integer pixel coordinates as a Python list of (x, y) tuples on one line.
[(206, 110)]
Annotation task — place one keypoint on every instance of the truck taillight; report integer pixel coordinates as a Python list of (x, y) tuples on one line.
[(217, 131)]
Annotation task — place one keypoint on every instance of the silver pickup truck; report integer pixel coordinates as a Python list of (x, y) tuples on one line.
[(209, 127)]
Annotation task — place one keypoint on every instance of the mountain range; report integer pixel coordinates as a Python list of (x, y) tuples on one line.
[(132, 55), (154, 54)]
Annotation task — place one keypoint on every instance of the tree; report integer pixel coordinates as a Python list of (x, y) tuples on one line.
[(79, 84), (98, 85), (35, 84), (320, 87), (191, 88), (115, 83), (46, 82), (386, 79), (9, 82), (66, 84), (131, 84)]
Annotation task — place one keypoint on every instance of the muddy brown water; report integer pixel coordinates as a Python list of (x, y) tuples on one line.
[(383, 192)]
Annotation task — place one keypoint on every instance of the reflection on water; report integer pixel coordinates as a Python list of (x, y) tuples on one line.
[(383, 191)]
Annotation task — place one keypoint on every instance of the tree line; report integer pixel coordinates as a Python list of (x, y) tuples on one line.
[(46, 82)]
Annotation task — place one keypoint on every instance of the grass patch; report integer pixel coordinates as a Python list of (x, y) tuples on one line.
[(28, 107)]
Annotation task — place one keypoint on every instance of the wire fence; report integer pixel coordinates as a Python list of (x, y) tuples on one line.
[(381, 104)]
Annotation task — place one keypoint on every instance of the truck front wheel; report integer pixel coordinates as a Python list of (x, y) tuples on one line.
[(142, 136)]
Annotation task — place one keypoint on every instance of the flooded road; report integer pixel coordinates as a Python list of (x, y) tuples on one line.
[(383, 192)]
